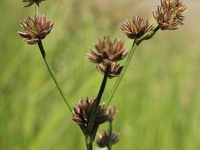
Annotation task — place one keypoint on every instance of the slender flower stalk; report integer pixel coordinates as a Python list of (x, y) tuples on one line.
[(93, 130), (37, 9), (50, 69), (101, 90), (128, 60)]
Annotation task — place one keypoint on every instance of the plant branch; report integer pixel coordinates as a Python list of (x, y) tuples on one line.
[(92, 129), (37, 8), (88, 143), (128, 60), (101, 90), (110, 135), (50, 69), (98, 99)]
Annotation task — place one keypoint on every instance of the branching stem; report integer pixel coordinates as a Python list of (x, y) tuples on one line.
[(50, 69), (128, 60)]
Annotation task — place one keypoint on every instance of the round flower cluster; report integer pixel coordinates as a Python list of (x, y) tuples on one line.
[(108, 53)]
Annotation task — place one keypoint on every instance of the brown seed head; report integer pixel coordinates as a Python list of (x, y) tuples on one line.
[(31, 2), (83, 109), (35, 29), (138, 28), (107, 51), (169, 14), (107, 140), (115, 69)]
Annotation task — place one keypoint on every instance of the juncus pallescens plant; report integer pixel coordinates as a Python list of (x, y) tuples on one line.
[(89, 113)]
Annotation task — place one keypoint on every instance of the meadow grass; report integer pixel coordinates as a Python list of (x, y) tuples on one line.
[(158, 99)]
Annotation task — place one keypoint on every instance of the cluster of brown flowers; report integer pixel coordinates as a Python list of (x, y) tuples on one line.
[(115, 69), (168, 16), (108, 53), (138, 28), (35, 29), (83, 109), (82, 113)]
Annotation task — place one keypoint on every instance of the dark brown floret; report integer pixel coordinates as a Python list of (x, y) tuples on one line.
[(115, 69), (138, 28), (107, 51), (83, 109), (35, 29)]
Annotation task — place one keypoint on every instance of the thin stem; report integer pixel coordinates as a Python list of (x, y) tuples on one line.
[(88, 143), (100, 93), (101, 90), (50, 69), (156, 28), (133, 48), (153, 32), (110, 128), (36, 8), (93, 129), (110, 135), (98, 99)]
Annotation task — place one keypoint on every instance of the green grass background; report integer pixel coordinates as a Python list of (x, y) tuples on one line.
[(158, 99)]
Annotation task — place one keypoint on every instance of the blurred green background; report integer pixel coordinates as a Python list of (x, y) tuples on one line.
[(158, 100)]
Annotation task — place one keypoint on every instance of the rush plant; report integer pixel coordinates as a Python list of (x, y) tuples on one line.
[(89, 113)]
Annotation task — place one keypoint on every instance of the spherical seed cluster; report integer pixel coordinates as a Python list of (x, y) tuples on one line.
[(138, 28), (108, 53), (169, 14), (35, 29), (115, 69), (83, 110)]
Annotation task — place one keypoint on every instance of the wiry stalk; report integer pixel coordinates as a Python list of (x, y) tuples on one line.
[(128, 60), (93, 130), (50, 69)]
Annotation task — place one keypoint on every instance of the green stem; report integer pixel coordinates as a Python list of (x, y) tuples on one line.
[(50, 69), (37, 8), (88, 143), (153, 32), (101, 90), (133, 48), (98, 98), (110, 128), (110, 135), (92, 129)]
